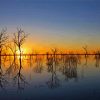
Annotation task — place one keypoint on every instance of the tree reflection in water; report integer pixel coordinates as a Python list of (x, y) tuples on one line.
[(66, 65), (69, 68), (3, 80), (97, 58), (38, 68), (14, 71), (54, 81), (19, 79)]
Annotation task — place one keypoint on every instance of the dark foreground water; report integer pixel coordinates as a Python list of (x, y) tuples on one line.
[(50, 77)]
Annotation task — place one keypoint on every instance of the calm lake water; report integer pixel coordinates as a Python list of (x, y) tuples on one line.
[(50, 77)]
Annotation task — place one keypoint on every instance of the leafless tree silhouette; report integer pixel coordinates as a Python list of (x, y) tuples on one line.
[(3, 40), (19, 38), (97, 58), (86, 54), (85, 49)]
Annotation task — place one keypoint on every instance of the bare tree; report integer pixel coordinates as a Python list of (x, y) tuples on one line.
[(54, 52), (86, 54), (3, 41), (85, 48), (19, 39)]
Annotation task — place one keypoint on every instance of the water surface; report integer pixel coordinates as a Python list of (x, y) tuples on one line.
[(50, 77)]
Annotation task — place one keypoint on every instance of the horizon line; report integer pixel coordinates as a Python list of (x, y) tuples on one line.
[(34, 54)]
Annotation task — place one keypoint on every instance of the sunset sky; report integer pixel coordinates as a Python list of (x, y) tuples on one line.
[(66, 24)]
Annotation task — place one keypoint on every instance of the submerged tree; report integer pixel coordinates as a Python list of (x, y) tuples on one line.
[(19, 39), (69, 68), (54, 81), (97, 58), (86, 54), (3, 41), (85, 49)]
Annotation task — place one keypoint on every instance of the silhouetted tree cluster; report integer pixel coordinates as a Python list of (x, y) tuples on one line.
[(16, 45), (3, 40), (97, 58)]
